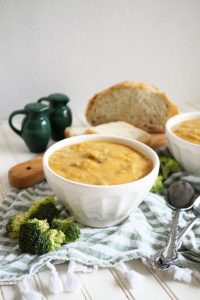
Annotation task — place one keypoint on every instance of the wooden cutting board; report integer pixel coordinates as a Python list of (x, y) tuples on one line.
[(28, 173), (158, 140)]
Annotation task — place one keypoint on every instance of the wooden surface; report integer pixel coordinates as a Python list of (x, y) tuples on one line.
[(158, 140), (101, 284)]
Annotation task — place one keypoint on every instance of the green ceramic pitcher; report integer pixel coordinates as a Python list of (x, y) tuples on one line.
[(35, 128), (60, 114)]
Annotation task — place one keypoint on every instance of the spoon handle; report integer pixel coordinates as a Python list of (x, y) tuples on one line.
[(185, 231), (168, 255), (170, 250)]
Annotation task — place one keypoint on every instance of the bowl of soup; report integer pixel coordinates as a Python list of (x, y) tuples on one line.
[(100, 179), (183, 140)]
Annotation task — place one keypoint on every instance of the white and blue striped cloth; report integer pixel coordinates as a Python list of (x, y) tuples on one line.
[(140, 236)]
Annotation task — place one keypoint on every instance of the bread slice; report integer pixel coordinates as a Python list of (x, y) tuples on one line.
[(139, 104), (73, 130), (119, 128)]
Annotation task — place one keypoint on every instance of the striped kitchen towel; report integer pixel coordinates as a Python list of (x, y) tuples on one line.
[(140, 236)]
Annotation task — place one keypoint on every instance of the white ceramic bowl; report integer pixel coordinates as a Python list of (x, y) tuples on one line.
[(101, 205), (186, 153)]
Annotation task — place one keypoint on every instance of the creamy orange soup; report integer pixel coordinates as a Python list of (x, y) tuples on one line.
[(188, 130), (100, 163)]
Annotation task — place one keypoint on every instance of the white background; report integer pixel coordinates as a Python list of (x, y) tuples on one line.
[(80, 47)]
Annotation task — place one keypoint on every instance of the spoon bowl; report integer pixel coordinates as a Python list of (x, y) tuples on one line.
[(180, 195)]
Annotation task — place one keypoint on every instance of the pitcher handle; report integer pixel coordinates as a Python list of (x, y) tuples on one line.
[(43, 99), (16, 112)]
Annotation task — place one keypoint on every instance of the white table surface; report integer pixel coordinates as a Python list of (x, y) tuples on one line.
[(101, 284)]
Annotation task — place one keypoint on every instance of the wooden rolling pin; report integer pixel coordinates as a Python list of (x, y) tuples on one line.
[(26, 174), (31, 172)]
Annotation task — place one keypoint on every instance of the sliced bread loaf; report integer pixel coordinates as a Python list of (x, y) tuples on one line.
[(74, 130), (139, 104), (119, 128)]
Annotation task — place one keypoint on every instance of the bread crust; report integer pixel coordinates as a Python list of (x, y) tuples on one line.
[(172, 109)]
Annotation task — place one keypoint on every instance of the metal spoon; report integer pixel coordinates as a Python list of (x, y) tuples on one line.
[(180, 196), (184, 232)]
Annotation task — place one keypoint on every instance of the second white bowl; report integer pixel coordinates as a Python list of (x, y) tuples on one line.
[(186, 153)]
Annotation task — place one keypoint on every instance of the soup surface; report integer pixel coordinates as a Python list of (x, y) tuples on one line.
[(188, 130), (100, 163)]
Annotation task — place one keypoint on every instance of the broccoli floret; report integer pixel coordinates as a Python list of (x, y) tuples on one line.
[(158, 186), (70, 229), (44, 209), (35, 237), (168, 166), (13, 225), (56, 237)]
